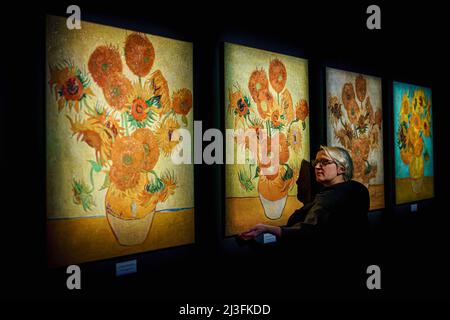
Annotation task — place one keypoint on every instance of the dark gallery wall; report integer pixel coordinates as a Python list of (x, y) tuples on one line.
[(409, 247)]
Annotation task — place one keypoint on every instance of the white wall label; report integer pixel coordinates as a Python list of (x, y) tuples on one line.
[(268, 238)]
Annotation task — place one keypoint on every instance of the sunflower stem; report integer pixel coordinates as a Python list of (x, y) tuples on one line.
[(268, 128)]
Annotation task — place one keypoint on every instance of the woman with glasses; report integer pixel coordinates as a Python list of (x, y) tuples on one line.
[(339, 209)]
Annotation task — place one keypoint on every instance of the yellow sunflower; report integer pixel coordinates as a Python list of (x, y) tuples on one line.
[(416, 122), (275, 118), (239, 104), (370, 112), (168, 136), (139, 54), (123, 179), (182, 101), (276, 187), (170, 184), (360, 149), (104, 61), (123, 196), (277, 75), (150, 145), (406, 155), (118, 91), (107, 118), (405, 108), (159, 88), (95, 134), (70, 86), (348, 94), (140, 112), (265, 104), (334, 106), (419, 101), (353, 112), (361, 87), (287, 105), (302, 110), (258, 85), (128, 154)]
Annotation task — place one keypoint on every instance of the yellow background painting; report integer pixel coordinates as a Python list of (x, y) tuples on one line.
[(244, 110), (77, 227)]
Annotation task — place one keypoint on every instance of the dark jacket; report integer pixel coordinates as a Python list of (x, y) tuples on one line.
[(327, 240), (338, 212)]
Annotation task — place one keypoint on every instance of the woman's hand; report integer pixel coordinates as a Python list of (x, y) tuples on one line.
[(258, 229)]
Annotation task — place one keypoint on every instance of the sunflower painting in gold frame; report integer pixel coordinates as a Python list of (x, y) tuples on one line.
[(264, 91), (414, 177), (115, 101), (355, 122)]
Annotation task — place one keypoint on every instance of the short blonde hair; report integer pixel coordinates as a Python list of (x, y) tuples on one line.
[(342, 159)]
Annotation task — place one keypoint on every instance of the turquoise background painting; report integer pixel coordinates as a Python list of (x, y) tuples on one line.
[(401, 169)]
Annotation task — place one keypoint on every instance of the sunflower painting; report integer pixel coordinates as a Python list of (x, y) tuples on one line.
[(115, 101), (413, 143), (264, 92), (355, 122)]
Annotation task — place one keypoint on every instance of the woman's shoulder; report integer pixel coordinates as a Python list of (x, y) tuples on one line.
[(356, 195), (353, 184), (350, 184), (343, 192)]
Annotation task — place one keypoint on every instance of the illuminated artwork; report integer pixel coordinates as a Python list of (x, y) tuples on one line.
[(114, 101), (355, 122), (268, 92), (413, 143)]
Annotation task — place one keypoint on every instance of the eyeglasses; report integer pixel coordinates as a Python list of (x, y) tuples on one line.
[(322, 162)]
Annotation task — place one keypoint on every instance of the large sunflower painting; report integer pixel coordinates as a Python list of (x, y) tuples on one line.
[(355, 122), (413, 143), (115, 101), (264, 92)]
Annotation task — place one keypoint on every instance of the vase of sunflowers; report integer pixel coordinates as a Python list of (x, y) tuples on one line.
[(269, 111), (136, 127), (132, 196), (273, 191), (130, 212), (129, 218)]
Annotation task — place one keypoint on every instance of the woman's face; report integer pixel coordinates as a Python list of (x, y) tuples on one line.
[(326, 169)]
